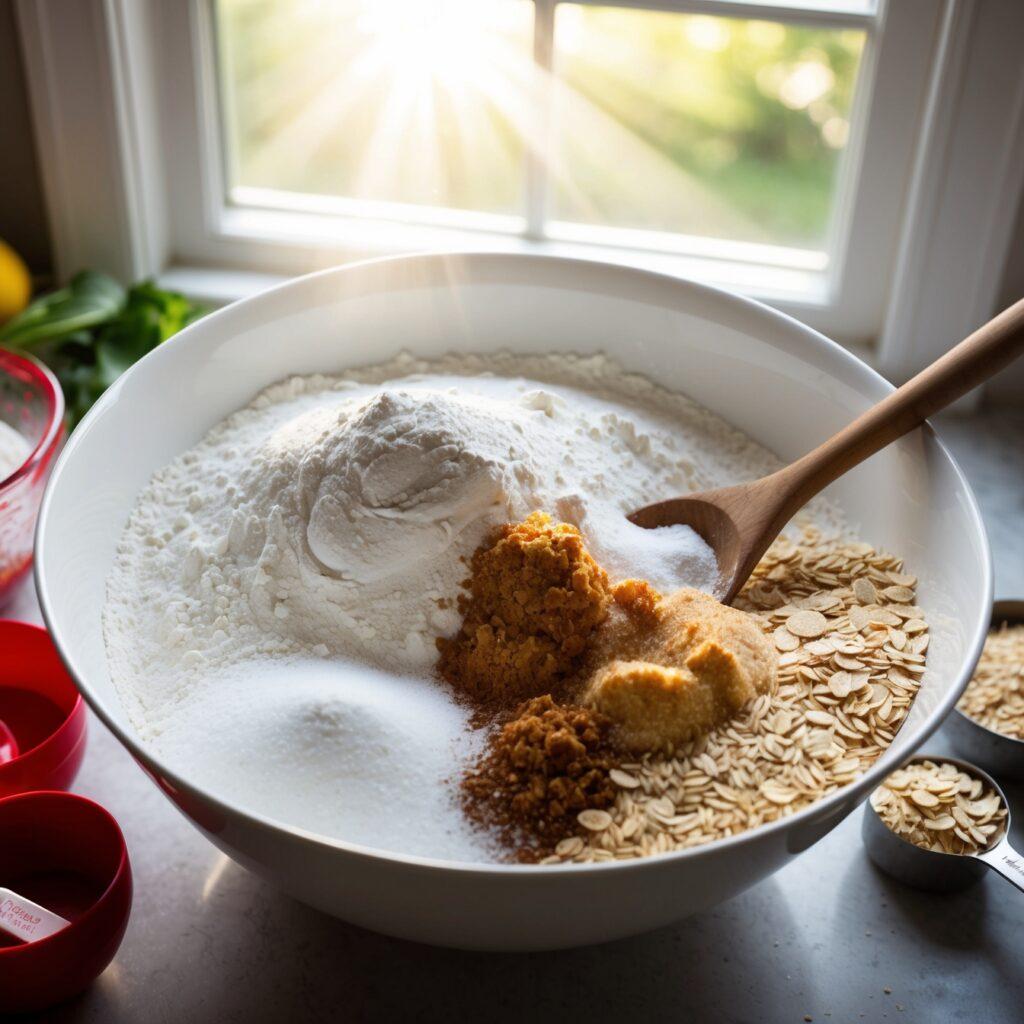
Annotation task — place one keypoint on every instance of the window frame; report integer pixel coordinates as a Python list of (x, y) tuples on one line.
[(122, 191), (844, 300)]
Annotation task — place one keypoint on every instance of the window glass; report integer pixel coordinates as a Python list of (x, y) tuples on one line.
[(680, 124), (702, 125), (386, 100)]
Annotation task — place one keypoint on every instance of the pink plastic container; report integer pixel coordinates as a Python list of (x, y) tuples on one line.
[(43, 711), (31, 403), (67, 854)]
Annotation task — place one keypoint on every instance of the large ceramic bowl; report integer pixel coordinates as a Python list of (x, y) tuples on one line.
[(774, 378)]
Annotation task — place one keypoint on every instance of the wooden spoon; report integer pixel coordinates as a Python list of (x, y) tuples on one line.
[(740, 522)]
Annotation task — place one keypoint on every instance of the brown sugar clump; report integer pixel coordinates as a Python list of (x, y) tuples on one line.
[(638, 599), (540, 770), (672, 671), (535, 598)]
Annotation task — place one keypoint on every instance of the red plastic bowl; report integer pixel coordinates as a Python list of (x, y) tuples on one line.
[(67, 854), (42, 708), (32, 403)]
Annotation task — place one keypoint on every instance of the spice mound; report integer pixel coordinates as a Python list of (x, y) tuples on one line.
[(535, 598), (671, 669), (994, 697), (547, 765), (939, 807)]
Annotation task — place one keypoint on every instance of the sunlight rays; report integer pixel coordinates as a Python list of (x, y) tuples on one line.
[(438, 105)]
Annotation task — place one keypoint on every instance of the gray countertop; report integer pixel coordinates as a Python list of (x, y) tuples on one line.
[(828, 938)]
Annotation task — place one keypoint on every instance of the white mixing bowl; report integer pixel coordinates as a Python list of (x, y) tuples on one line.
[(782, 383)]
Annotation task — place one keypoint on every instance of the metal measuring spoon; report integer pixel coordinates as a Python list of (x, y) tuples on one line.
[(26, 920), (941, 872), (8, 744)]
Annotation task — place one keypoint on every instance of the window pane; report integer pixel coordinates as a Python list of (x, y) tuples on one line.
[(719, 127), (389, 100)]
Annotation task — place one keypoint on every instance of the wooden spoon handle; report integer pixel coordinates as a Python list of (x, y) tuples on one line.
[(977, 358)]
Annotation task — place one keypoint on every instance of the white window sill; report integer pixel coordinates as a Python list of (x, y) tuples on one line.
[(802, 291), (795, 280), (217, 286)]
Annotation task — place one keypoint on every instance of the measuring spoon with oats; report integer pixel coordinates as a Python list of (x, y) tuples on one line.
[(938, 824)]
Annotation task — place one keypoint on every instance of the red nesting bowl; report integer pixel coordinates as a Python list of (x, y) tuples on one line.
[(41, 707), (67, 854), (32, 403)]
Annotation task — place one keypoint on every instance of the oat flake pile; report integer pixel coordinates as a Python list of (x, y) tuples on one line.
[(852, 649)]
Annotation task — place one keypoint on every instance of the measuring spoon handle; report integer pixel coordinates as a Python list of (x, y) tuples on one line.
[(1007, 861), (8, 744)]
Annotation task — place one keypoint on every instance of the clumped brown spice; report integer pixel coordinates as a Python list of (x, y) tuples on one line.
[(541, 769), (535, 597), (638, 599)]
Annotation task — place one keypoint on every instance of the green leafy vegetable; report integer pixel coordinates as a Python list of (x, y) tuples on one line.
[(91, 298), (90, 332)]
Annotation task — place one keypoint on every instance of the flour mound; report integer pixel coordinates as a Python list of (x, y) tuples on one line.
[(354, 517), (400, 481)]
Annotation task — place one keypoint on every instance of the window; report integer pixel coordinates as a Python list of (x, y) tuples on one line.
[(740, 143), (404, 108), (832, 157), (702, 135), (653, 129)]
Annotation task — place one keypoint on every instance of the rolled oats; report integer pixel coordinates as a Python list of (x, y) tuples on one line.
[(845, 685), (995, 696)]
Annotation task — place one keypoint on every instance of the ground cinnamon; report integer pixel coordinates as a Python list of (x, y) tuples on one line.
[(540, 770)]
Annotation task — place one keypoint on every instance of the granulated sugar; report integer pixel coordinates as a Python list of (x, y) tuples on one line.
[(335, 748), (330, 521)]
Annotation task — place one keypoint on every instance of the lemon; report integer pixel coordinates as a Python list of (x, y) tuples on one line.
[(15, 283)]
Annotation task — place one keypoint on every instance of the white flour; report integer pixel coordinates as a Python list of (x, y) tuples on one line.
[(14, 450), (331, 519)]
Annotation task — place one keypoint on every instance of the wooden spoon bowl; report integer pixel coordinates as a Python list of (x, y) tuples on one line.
[(739, 523)]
